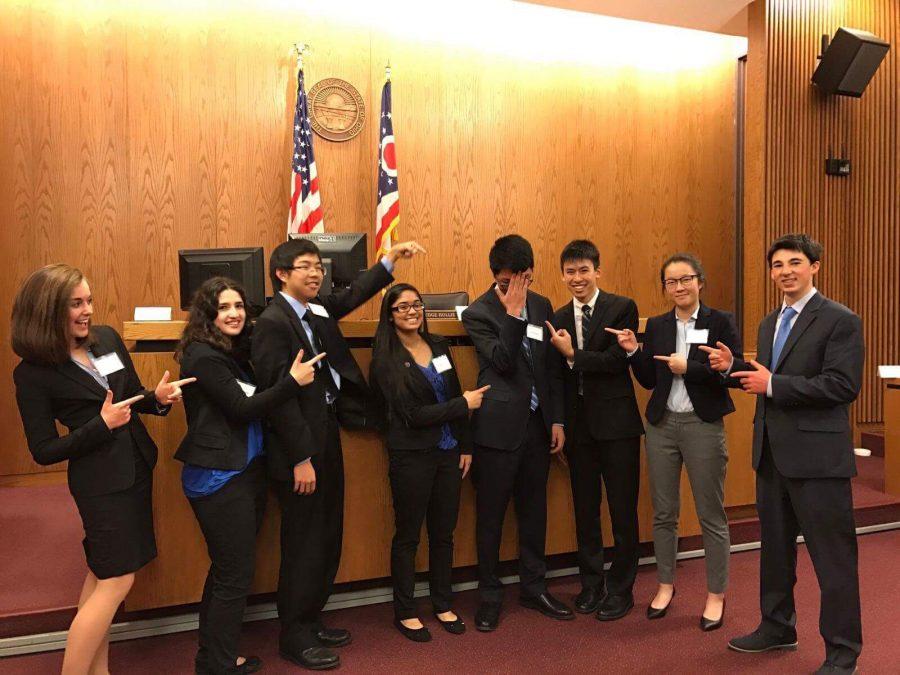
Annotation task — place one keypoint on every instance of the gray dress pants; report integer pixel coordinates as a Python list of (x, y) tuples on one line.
[(683, 438)]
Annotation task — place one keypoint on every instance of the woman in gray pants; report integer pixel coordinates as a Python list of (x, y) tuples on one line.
[(685, 426)]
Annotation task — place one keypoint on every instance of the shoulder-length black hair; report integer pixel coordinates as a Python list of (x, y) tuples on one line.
[(388, 353), (201, 325)]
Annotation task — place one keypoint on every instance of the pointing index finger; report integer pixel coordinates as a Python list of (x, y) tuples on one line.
[(660, 357), (181, 383), (316, 358), (129, 401), (552, 330), (616, 331)]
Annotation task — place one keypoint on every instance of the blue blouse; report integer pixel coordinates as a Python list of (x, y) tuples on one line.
[(200, 481), (436, 380)]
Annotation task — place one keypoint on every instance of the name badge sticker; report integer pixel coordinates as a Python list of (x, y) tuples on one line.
[(248, 388), (441, 363), (535, 332), (108, 364), (318, 310), (697, 337)]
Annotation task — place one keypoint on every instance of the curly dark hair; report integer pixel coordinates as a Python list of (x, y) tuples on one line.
[(201, 325)]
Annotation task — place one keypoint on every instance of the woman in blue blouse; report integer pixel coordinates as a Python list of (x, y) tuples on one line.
[(223, 476), (429, 447)]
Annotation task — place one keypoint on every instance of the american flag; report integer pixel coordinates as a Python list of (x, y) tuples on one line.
[(387, 214), (306, 204)]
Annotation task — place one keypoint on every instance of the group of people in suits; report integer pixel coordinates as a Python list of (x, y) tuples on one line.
[(550, 385)]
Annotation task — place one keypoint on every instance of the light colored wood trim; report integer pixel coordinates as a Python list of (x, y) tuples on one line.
[(135, 331), (892, 439), (34, 479)]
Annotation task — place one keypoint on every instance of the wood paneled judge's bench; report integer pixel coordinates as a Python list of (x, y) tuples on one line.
[(176, 577)]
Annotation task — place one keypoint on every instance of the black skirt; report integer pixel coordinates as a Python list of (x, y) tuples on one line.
[(118, 527)]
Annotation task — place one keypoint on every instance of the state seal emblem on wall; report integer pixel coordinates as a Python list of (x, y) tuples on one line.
[(337, 111)]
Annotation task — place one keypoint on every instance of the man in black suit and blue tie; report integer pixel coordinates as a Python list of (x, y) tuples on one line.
[(807, 373)]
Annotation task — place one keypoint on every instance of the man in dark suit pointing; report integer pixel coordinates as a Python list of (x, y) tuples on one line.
[(604, 428), (807, 373), (303, 442)]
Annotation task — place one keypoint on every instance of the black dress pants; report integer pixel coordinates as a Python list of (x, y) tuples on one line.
[(425, 487), (520, 474), (229, 519), (618, 464), (822, 509), (312, 530)]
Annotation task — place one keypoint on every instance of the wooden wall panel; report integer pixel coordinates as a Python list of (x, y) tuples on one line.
[(135, 130), (857, 218)]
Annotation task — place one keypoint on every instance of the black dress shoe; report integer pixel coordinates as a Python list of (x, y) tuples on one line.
[(615, 607), (456, 627), (487, 617), (828, 667), (334, 637), (415, 634), (757, 641), (547, 605), (252, 664), (589, 600), (706, 625), (313, 658), (659, 612)]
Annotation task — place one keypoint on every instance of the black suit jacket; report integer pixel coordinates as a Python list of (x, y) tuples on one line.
[(296, 429), (500, 422), (705, 387), (217, 409), (100, 461), (609, 401), (817, 377), (413, 418)]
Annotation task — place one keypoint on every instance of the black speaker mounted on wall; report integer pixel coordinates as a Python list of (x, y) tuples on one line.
[(849, 62)]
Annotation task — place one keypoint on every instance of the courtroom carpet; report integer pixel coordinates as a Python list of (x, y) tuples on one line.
[(528, 641)]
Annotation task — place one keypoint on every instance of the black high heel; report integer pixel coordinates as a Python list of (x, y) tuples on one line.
[(658, 613), (706, 625)]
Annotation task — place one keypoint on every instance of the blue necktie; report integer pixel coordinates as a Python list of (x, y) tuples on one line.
[(526, 347), (784, 330)]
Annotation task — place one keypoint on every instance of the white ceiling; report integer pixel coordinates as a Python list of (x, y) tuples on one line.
[(718, 16)]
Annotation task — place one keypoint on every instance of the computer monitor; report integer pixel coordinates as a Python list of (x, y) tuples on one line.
[(244, 265), (347, 252)]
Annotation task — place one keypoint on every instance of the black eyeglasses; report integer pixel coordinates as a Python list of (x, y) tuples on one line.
[(684, 281), (404, 307)]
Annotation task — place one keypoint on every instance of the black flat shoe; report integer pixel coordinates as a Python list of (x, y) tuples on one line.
[(313, 658), (487, 617), (588, 601), (415, 634), (547, 605), (252, 664), (706, 625), (455, 627), (659, 612)]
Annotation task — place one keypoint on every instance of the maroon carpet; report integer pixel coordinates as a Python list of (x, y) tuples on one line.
[(526, 640), (40, 549)]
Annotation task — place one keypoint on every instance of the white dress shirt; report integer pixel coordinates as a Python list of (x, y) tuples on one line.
[(679, 401)]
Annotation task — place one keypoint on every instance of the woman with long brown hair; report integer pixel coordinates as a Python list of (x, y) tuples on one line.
[(224, 476), (82, 376)]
